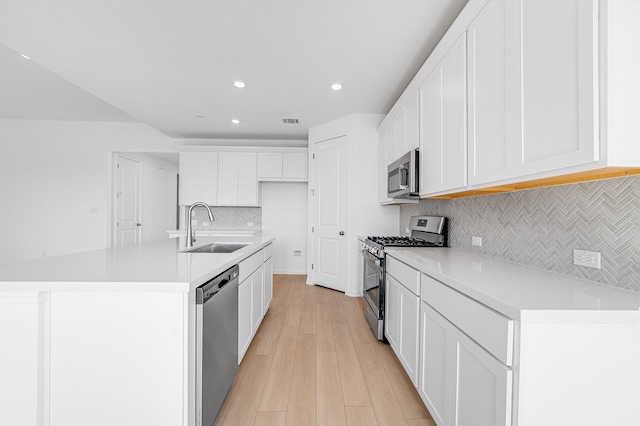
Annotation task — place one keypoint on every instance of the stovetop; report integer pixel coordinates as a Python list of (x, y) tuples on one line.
[(397, 241)]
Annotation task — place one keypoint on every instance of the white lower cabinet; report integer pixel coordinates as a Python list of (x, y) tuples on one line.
[(409, 333), (402, 315), (434, 352), (461, 383), (482, 385), (392, 312), (244, 318), (268, 283), (254, 296)]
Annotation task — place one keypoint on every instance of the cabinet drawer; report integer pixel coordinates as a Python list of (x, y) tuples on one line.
[(491, 330), (268, 251), (250, 264), (408, 277)]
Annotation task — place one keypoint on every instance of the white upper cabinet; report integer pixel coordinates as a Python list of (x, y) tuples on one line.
[(490, 151), (412, 122), (283, 166), (542, 90), (295, 166), (555, 77), (237, 178), (532, 88), (443, 161), (385, 152), (406, 129), (270, 166), (198, 178), (400, 134)]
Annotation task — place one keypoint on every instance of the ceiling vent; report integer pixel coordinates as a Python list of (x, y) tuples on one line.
[(291, 121)]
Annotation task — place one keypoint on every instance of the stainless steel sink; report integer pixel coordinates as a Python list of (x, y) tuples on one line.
[(218, 248)]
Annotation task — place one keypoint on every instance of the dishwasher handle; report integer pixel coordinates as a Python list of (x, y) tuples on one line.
[(209, 289)]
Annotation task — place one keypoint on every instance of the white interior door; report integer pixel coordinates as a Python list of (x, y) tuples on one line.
[(128, 213), (330, 241)]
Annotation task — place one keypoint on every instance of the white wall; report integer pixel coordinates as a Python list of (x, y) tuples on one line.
[(54, 175), (284, 214), (159, 194)]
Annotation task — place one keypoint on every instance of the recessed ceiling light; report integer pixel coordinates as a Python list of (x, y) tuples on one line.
[(239, 84), (235, 121), (25, 56), (336, 86)]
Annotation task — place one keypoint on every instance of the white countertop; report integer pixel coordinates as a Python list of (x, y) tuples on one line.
[(153, 266), (214, 232), (523, 293)]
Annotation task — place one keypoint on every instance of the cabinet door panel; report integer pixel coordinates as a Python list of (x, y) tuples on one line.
[(257, 299), (483, 390), (244, 318), (198, 178), (268, 283), (392, 312), (228, 178), (431, 152), (413, 124), (409, 337), (443, 159), (247, 179), (454, 117), (270, 165), (490, 82), (400, 135), (386, 158), (434, 373), (238, 180), (556, 73), (296, 165)]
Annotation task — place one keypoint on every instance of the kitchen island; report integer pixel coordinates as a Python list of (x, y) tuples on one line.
[(107, 337)]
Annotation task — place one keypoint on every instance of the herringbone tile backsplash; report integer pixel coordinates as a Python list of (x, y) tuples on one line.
[(541, 227)]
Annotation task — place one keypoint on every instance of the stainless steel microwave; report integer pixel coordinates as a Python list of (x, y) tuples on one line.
[(402, 178)]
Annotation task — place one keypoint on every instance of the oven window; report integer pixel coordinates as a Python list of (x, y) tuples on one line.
[(371, 285)]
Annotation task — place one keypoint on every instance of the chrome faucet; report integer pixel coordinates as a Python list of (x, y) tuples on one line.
[(190, 237)]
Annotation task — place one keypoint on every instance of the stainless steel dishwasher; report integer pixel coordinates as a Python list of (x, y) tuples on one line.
[(216, 343)]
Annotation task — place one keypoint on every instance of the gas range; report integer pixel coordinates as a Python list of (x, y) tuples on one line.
[(426, 231)]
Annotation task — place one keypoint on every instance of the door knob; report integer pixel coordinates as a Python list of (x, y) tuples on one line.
[(138, 224), (341, 233)]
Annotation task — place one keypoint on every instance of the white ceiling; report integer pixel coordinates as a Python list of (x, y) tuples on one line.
[(166, 62)]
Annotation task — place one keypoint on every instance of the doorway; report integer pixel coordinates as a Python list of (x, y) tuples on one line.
[(157, 191), (127, 201)]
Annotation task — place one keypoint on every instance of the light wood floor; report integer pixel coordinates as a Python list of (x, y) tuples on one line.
[(314, 361)]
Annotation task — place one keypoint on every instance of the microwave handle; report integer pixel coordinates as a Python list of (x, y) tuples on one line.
[(404, 176)]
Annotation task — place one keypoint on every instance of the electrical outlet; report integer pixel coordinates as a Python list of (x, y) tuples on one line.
[(589, 259), (476, 241), (408, 231), (249, 223)]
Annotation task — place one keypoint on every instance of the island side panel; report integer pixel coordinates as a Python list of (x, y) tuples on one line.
[(21, 364), (581, 373), (117, 358)]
